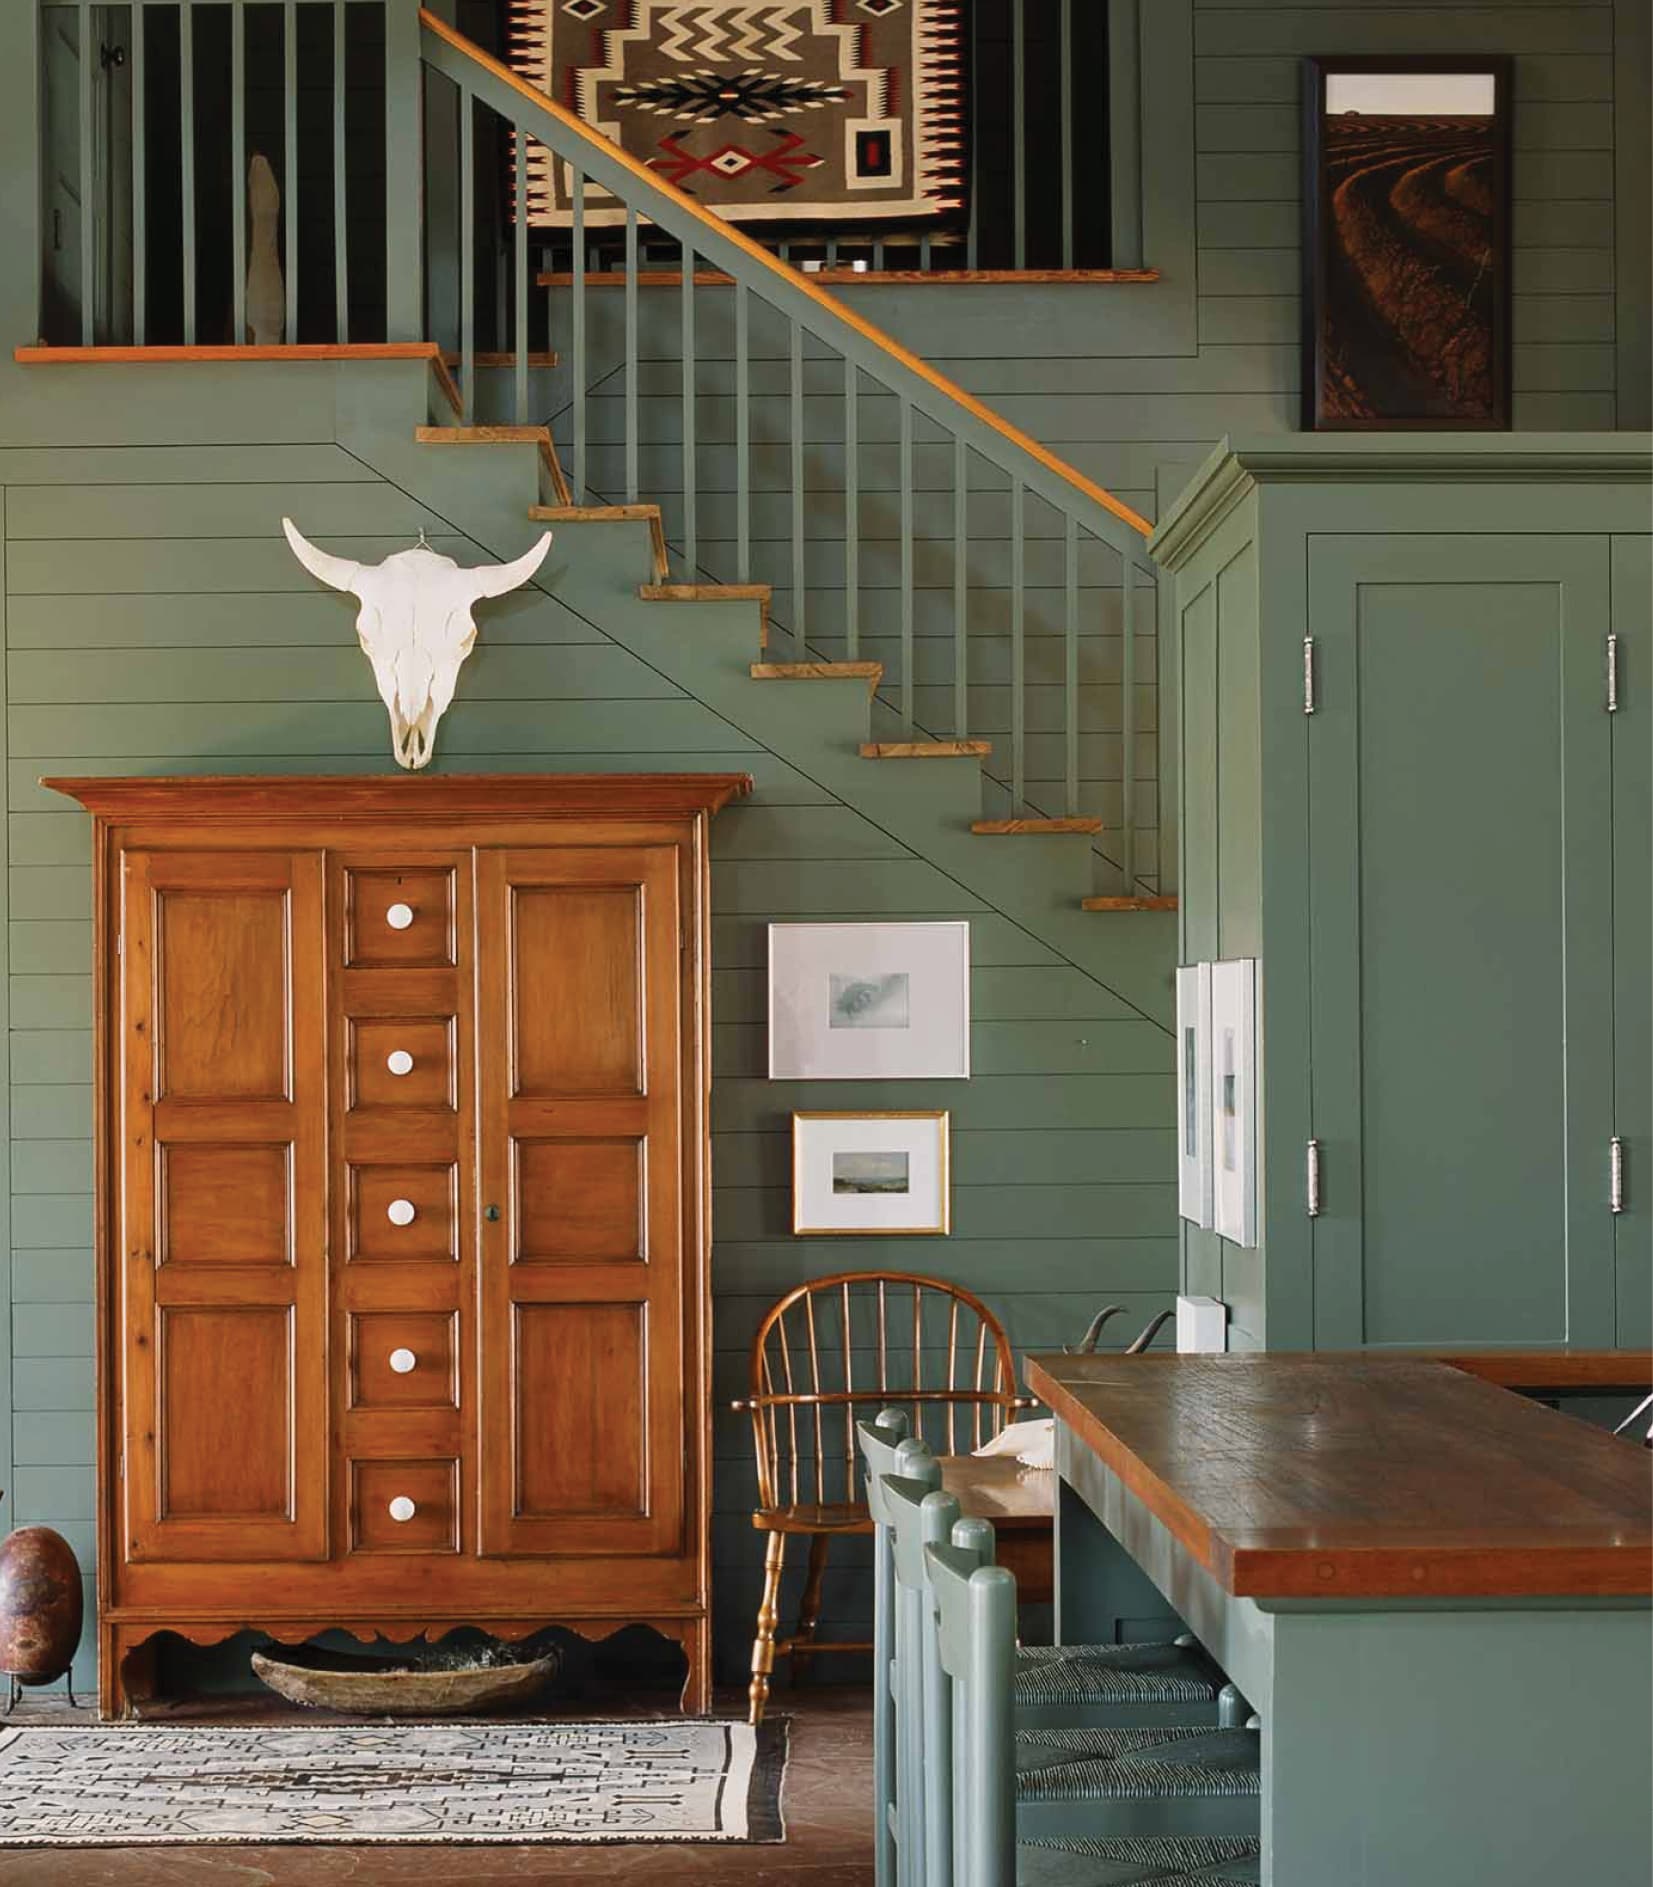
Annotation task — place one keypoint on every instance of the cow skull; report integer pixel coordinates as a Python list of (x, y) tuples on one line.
[(415, 626)]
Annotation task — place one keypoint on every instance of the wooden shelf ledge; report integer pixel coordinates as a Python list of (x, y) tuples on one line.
[(1019, 828), (872, 673), (610, 514), (925, 749), (1127, 904), (36, 356)]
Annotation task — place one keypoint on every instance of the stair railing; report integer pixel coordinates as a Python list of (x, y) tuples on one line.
[(1041, 570)]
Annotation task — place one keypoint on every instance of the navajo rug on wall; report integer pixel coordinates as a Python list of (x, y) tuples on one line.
[(763, 110)]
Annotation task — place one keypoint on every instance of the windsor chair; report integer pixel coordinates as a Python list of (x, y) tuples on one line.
[(857, 1339)]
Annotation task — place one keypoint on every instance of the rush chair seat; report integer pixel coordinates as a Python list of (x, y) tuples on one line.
[(1083, 1808), (828, 1349)]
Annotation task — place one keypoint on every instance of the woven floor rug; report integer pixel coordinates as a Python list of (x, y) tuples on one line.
[(472, 1782)]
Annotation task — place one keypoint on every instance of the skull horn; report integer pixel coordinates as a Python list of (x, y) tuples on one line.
[(338, 572), (497, 579)]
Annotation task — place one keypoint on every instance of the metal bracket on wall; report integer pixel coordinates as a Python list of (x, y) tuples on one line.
[(1615, 1174), (1311, 1177), (1612, 674), (1308, 674)]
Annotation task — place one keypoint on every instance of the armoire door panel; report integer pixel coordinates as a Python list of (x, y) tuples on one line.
[(224, 1203), (582, 1293), (576, 1000), (1461, 899), (581, 1398), (222, 994), (579, 1201), (226, 1432), (222, 1238)]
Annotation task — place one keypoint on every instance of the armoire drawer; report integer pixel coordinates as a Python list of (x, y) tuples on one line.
[(399, 1214), (399, 919), (404, 1359), (401, 1061), (404, 1506)]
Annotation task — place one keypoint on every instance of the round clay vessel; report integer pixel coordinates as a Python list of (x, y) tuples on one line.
[(40, 1605)]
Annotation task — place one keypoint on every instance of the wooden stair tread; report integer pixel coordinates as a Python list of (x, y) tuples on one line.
[(539, 436), (872, 673), (1128, 904), (759, 593), (481, 435), (1013, 828), (611, 514), (705, 592), (925, 749)]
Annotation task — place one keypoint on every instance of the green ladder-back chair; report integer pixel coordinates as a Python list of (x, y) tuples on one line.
[(1056, 1688), (1063, 1808)]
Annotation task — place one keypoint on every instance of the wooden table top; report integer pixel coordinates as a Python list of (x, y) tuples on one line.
[(999, 1488), (1324, 1476), (1603, 1371)]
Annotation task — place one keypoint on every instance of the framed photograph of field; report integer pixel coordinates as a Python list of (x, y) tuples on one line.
[(870, 1174), (1406, 243), (869, 1002)]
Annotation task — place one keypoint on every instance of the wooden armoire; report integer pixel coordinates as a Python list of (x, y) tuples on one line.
[(403, 1214)]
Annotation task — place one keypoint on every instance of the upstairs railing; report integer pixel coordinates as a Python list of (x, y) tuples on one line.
[(785, 438), (155, 230), (789, 441)]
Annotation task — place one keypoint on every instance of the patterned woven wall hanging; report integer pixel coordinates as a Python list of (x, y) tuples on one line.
[(763, 110)]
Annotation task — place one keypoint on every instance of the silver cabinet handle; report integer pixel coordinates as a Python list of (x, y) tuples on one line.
[(1312, 1178), (1615, 1174)]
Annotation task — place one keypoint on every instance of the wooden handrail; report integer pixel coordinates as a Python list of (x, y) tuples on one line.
[(721, 235)]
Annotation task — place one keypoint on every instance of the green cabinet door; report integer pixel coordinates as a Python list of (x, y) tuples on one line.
[(1461, 938), (1633, 932)]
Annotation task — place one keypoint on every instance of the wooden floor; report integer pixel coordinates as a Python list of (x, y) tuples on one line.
[(827, 1805)]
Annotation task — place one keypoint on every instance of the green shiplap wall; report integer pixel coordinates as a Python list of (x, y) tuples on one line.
[(153, 621), (157, 622)]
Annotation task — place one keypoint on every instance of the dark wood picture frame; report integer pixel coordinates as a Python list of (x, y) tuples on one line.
[(1398, 396)]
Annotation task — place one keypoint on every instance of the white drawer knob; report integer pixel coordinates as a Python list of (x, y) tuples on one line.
[(403, 1361), (399, 1062), (400, 1212), (399, 916), (401, 1508)]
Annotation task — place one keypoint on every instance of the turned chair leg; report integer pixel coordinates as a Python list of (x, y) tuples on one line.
[(809, 1607), (763, 1646)]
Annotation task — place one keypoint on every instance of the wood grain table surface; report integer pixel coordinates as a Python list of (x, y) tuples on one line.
[(1319, 1475)]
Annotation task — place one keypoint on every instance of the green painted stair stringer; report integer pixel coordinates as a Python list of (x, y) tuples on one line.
[(706, 648)]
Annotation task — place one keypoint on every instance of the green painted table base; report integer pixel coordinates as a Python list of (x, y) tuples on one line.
[(1404, 1745)]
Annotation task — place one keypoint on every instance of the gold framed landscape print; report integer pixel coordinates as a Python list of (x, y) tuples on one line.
[(863, 1175)]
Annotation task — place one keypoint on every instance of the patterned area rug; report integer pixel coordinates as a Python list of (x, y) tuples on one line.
[(762, 109), (508, 1782)]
